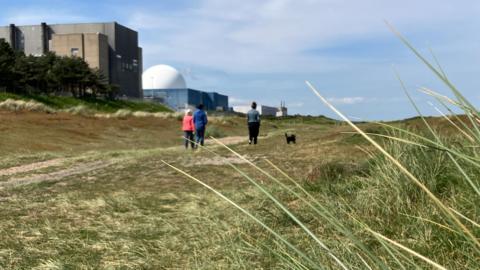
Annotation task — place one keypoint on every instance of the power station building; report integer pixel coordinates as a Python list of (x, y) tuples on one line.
[(264, 110), (110, 47), (165, 84)]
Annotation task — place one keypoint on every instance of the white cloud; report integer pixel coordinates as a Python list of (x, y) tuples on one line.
[(273, 35), (234, 101), (346, 100), (34, 16), (251, 36), (295, 104), (358, 100)]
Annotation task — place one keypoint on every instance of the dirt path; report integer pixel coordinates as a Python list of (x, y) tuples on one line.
[(230, 140), (54, 176), (91, 166), (209, 142), (31, 167), (216, 161)]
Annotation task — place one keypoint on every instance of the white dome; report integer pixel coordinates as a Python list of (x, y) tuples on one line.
[(163, 77)]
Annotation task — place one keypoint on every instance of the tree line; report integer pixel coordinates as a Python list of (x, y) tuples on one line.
[(50, 74)]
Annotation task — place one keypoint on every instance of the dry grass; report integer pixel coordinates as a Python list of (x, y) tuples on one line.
[(21, 105), (131, 214), (127, 113), (136, 213), (17, 105)]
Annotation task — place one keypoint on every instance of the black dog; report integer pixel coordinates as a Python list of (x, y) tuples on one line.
[(290, 138)]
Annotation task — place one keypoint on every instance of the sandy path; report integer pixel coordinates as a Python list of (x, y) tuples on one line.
[(92, 166), (216, 161), (54, 176), (230, 140), (209, 142), (31, 167)]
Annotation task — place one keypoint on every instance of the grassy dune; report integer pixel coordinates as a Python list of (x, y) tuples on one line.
[(98, 195), (97, 105), (134, 212)]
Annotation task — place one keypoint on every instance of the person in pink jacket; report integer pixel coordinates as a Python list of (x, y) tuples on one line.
[(188, 128)]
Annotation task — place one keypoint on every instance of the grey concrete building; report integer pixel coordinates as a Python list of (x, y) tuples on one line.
[(110, 47), (263, 110), (181, 99)]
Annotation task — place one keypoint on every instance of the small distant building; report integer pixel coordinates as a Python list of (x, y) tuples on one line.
[(264, 110), (282, 110), (165, 84)]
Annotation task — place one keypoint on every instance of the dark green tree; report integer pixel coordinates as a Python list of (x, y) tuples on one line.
[(72, 74), (7, 61), (50, 74)]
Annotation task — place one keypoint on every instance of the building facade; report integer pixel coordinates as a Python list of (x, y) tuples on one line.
[(182, 99), (165, 84), (263, 110), (110, 47)]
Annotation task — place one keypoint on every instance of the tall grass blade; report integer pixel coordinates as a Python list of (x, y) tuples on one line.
[(472, 160), (434, 134), (468, 111), (258, 221), (470, 138), (440, 69), (455, 91), (412, 252), (321, 210), (279, 204), (441, 206), (340, 227), (466, 218)]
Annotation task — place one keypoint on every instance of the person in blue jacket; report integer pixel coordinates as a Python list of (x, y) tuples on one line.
[(200, 121)]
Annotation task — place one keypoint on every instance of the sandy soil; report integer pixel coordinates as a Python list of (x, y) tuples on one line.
[(58, 175), (92, 166), (31, 167)]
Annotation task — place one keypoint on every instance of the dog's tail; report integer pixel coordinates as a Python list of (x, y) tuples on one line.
[(286, 135)]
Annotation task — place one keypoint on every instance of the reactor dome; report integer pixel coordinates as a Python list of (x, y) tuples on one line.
[(163, 77)]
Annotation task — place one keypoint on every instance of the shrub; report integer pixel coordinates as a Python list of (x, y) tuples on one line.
[(21, 105), (214, 131), (80, 110)]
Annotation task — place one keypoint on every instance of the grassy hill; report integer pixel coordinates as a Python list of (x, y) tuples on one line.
[(99, 105), (95, 193)]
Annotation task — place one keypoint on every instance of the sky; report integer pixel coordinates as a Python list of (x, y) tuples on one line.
[(264, 51)]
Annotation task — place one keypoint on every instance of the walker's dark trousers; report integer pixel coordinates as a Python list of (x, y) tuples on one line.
[(253, 129), (200, 134), (188, 135)]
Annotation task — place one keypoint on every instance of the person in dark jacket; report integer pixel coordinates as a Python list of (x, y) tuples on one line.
[(253, 121), (200, 121)]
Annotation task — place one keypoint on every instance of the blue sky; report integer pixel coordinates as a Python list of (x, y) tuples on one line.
[(265, 50)]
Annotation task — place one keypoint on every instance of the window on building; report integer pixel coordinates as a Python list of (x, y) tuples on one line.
[(135, 65), (21, 43), (74, 52)]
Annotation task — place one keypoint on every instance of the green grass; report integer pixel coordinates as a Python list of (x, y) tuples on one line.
[(214, 131), (138, 213), (98, 104)]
